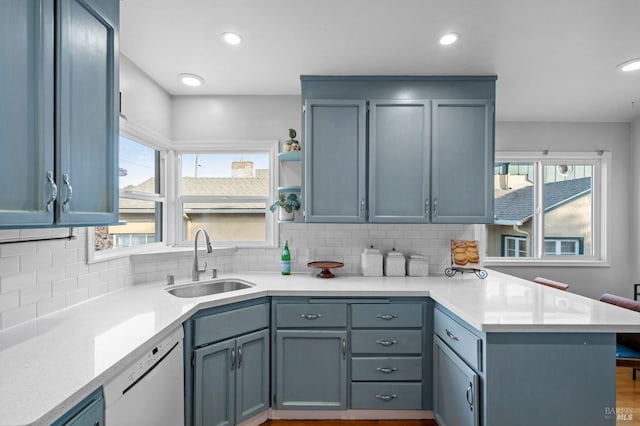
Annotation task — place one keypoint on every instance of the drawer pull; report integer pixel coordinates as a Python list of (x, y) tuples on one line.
[(386, 317), (311, 316), (386, 370), (386, 342), (386, 398), (451, 335)]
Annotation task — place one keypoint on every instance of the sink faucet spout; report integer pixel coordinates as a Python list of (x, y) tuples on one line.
[(196, 271)]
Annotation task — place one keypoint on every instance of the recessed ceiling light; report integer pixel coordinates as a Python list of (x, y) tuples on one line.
[(449, 38), (630, 65), (191, 79), (232, 38)]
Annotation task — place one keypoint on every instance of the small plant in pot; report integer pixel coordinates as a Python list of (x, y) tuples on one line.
[(288, 204)]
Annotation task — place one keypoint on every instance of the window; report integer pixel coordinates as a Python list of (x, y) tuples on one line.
[(548, 207), (141, 200), (227, 192)]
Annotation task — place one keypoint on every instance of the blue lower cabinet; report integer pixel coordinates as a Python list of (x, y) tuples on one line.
[(311, 368), (89, 412), (231, 381)]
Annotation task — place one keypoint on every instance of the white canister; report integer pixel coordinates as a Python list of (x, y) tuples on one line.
[(417, 266), (371, 262), (394, 264)]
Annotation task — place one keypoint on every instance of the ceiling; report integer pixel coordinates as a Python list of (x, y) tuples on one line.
[(555, 59)]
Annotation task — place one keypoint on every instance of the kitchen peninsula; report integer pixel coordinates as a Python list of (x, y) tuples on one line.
[(533, 341)]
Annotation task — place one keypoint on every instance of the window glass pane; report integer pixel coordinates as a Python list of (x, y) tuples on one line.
[(225, 221), (229, 174), (568, 208), (513, 210), (143, 226), (137, 167)]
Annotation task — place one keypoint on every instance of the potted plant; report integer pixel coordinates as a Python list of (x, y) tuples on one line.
[(288, 205)]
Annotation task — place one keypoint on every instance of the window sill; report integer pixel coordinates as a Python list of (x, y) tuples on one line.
[(591, 263), (173, 252)]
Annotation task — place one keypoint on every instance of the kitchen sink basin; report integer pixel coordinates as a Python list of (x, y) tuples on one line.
[(205, 288)]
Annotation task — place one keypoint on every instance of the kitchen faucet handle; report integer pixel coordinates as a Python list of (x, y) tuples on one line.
[(204, 268)]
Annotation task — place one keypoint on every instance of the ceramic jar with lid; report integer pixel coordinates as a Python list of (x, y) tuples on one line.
[(417, 266), (394, 264), (371, 262)]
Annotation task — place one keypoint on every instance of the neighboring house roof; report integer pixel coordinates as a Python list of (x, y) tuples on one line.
[(515, 207), (221, 187)]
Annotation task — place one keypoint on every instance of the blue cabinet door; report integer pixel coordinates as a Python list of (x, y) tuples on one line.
[(311, 369), (87, 111), (462, 161), (455, 388), (252, 375), (26, 113), (334, 161), (399, 151), (214, 384)]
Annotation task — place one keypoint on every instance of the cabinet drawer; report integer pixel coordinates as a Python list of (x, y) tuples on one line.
[(392, 315), (224, 325), (305, 315), (466, 344), (386, 368), (386, 341), (386, 396)]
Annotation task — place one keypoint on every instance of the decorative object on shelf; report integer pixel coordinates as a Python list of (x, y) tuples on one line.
[(285, 266), (371, 262), (291, 144), (325, 267), (288, 204), (465, 257)]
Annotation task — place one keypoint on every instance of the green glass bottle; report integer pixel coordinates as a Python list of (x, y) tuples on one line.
[(285, 266)]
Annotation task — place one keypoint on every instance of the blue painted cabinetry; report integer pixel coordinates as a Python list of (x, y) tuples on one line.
[(59, 62), (227, 364), (364, 353), (88, 412), (398, 149), (521, 378)]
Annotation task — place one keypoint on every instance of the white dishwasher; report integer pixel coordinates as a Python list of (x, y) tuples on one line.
[(150, 391)]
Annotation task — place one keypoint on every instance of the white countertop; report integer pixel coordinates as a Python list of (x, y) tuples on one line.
[(49, 364)]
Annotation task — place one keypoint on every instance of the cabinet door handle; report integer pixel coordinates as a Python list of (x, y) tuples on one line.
[(362, 209), (451, 335), (386, 342), (67, 182), (311, 316), (233, 358), (386, 370), (426, 207), (54, 190), (344, 348), (387, 317), (239, 360), (470, 396), (435, 207), (386, 398)]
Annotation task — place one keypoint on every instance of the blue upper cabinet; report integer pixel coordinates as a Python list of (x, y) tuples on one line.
[(428, 146), (463, 157), (26, 112), (60, 156), (334, 161), (399, 140)]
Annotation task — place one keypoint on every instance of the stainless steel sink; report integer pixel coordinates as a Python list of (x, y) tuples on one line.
[(205, 288)]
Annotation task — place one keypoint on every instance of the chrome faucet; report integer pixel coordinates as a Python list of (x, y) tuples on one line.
[(195, 273)]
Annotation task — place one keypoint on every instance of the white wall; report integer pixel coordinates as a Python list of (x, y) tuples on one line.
[(232, 118), (613, 137), (144, 103)]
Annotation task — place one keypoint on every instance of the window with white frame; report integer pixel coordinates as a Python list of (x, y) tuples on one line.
[(140, 203), (548, 207), (227, 191)]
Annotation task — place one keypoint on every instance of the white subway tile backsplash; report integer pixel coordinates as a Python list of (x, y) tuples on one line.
[(9, 265), (47, 306), (75, 269), (64, 286), (19, 281), (17, 249), (49, 275), (41, 261), (35, 294), (77, 296), (9, 301)]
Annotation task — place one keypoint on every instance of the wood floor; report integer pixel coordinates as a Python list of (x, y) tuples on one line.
[(627, 402)]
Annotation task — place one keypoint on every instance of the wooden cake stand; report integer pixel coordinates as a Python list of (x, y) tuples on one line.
[(325, 267)]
